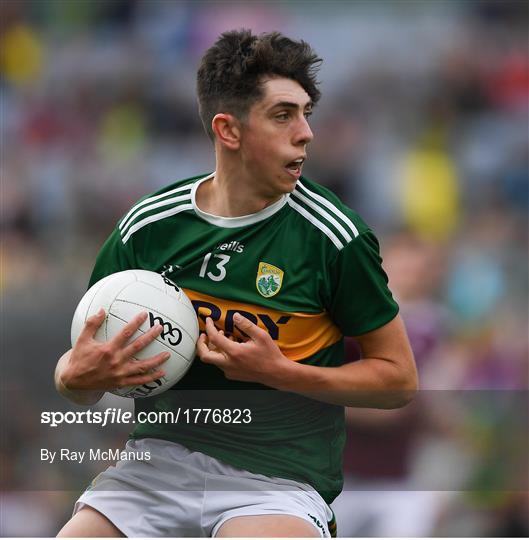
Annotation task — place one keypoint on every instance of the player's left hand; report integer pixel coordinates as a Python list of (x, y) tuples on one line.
[(258, 359)]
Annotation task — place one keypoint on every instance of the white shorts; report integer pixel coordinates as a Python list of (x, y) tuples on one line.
[(180, 493)]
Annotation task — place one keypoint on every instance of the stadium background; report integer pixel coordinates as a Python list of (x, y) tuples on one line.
[(422, 129)]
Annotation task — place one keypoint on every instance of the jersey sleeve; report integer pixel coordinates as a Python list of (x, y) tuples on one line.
[(113, 257), (360, 298)]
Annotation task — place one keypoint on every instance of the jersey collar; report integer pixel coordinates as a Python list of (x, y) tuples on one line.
[(240, 221)]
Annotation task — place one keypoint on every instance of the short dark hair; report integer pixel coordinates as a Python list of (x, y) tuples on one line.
[(231, 73)]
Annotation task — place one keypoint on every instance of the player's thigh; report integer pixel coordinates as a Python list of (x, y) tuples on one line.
[(89, 523), (271, 526)]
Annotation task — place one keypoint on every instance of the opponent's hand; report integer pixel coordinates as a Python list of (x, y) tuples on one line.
[(258, 359), (93, 365)]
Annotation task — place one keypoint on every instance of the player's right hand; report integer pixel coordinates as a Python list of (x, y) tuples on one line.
[(93, 365)]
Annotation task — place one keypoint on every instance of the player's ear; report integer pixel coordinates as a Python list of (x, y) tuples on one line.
[(227, 130)]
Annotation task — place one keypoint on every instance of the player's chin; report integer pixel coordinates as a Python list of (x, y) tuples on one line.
[(289, 180)]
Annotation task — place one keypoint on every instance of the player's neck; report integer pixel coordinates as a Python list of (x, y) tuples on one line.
[(229, 194)]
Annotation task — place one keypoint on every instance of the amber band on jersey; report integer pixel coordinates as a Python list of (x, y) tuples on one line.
[(298, 335)]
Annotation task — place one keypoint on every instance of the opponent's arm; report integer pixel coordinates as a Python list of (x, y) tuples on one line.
[(385, 377), (85, 372)]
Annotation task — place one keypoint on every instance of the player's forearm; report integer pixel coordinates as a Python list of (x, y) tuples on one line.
[(81, 397), (370, 382)]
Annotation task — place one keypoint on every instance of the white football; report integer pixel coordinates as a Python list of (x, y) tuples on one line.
[(125, 294)]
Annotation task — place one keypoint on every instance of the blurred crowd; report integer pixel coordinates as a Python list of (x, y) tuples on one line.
[(422, 129)]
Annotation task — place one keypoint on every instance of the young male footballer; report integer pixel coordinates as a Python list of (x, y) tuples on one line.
[(279, 270)]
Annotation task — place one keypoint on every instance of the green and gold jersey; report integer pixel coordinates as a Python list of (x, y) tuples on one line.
[(307, 270)]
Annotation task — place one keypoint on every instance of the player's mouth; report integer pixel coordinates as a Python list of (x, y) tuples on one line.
[(294, 167)]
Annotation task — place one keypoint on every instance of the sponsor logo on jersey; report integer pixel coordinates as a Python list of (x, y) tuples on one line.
[(269, 279), (298, 335), (234, 245)]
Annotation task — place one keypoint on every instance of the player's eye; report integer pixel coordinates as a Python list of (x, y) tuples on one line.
[(282, 116), (308, 114)]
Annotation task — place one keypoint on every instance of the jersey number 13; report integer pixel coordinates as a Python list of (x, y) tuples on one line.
[(219, 272)]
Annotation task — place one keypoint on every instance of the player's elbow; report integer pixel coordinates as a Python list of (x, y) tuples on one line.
[(404, 398), (396, 399), (406, 388)]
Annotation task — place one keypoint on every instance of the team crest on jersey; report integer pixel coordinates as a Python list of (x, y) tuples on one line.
[(269, 279)]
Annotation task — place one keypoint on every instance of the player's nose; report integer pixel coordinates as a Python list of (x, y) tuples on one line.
[(303, 134)]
